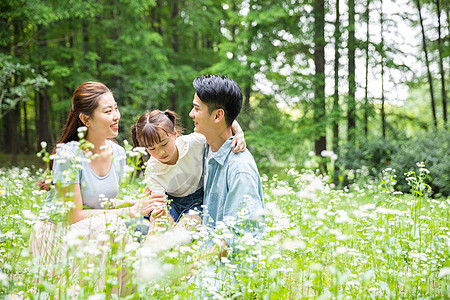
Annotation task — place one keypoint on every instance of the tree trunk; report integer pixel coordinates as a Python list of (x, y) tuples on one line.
[(14, 115), (430, 81), (319, 84), (25, 128), (351, 104), (43, 130), (175, 48), (155, 17), (336, 108), (247, 98), (85, 33), (383, 114), (11, 129), (366, 88), (441, 66)]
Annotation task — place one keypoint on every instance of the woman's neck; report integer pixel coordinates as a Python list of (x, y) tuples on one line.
[(99, 144)]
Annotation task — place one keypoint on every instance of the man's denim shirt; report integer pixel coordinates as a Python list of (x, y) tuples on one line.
[(233, 192)]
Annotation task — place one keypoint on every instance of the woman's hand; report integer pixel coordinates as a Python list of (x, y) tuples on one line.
[(141, 207), (115, 203), (238, 142)]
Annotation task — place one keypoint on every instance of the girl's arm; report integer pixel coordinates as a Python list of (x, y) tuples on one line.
[(78, 213), (238, 142)]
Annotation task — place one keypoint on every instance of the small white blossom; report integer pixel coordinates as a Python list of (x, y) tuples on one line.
[(445, 271)]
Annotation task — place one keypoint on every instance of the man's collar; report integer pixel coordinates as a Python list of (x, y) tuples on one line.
[(223, 152)]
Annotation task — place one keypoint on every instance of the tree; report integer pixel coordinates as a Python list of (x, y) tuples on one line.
[(382, 64), (366, 86), (336, 107), (319, 78), (18, 84), (351, 102), (427, 63), (441, 65)]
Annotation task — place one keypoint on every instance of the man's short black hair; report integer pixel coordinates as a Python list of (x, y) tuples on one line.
[(219, 92)]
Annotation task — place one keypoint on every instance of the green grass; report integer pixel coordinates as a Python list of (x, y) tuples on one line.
[(23, 160), (363, 242)]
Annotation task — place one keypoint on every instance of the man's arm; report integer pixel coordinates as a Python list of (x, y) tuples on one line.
[(243, 204)]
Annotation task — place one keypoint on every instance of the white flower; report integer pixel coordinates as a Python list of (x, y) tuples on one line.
[(445, 271), (388, 211), (82, 129), (420, 164), (294, 244), (340, 250), (140, 150), (28, 214), (367, 207), (327, 153), (280, 191), (424, 170), (128, 169), (97, 297), (4, 279)]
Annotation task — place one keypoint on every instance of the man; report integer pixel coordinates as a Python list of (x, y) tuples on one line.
[(231, 180)]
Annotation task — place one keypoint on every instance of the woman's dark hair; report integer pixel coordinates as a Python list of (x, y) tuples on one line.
[(219, 92), (85, 100)]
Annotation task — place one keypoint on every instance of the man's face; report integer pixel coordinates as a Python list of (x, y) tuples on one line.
[(203, 120)]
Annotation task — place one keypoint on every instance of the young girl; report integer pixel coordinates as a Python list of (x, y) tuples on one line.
[(176, 163)]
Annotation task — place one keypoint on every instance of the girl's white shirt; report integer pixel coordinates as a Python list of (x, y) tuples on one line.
[(183, 178)]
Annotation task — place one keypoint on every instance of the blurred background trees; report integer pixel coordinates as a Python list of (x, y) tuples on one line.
[(350, 76)]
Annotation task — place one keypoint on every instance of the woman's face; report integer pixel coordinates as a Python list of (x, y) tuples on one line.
[(104, 122), (165, 151)]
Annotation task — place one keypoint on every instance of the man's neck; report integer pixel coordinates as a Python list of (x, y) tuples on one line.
[(219, 138)]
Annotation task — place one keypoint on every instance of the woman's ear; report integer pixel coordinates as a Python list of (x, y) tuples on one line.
[(84, 119)]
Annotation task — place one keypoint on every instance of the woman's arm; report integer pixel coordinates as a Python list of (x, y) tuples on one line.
[(238, 142), (77, 213)]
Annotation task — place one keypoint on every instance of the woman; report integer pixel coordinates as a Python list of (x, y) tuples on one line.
[(83, 179)]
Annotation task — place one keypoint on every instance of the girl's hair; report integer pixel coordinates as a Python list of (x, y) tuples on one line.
[(85, 100), (146, 132)]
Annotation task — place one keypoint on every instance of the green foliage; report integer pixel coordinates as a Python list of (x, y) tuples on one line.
[(273, 138), (431, 148), (18, 82), (375, 155)]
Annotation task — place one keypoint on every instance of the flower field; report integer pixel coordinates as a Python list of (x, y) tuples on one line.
[(366, 241)]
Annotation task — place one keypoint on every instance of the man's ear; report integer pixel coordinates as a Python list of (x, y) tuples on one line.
[(219, 115), (84, 119)]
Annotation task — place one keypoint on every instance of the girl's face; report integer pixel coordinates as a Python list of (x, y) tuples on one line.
[(104, 121), (165, 151)]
